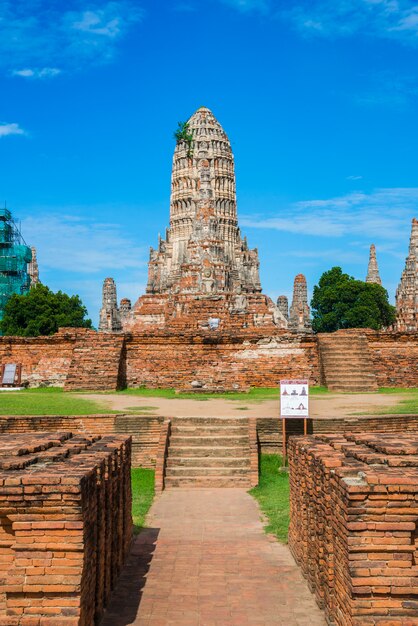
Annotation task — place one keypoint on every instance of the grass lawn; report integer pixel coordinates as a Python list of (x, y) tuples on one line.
[(48, 401), (142, 495), (272, 494), (407, 405), (256, 394)]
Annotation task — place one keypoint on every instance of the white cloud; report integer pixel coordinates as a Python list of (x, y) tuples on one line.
[(248, 6), (354, 177), (98, 23), (11, 129), (33, 33), (44, 72), (382, 214), (382, 18), (72, 244)]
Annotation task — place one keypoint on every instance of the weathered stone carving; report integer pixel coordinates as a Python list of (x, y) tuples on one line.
[(299, 314), (203, 220), (125, 307), (33, 269), (283, 306), (203, 264), (407, 292), (373, 269), (109, 313)]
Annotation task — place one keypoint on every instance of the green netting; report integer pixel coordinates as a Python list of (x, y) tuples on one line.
[(14, 259), (6, 232), (9, 264), (5, 214), (22, 253)]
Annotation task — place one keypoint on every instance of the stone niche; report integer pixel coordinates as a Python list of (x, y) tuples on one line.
[(65, 526), (353, 529)]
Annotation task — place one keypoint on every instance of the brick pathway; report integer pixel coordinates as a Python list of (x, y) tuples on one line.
[(206, 561)]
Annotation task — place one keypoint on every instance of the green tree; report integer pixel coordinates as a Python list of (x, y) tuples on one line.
[(42, 312), (341, 301)]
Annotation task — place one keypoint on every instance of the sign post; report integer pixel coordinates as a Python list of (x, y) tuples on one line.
[(294, 403)]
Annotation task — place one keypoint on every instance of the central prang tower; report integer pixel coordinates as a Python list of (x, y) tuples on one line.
[(203, 274), (203, 251)]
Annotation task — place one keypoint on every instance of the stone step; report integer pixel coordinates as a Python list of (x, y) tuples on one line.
[(196, 440), (208, 461), (334, 338), (345, 356), (206, 431), (208, 481), (352, 388), (209, 421), (352, 377), (182, 451), (205, 471), (341, 341)]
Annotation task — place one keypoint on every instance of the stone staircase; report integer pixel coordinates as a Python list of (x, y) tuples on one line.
[(208, 452), (96, 363), (345, 360)]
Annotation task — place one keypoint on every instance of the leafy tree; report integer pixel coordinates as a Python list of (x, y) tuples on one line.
[(42, 312), (341, 301)]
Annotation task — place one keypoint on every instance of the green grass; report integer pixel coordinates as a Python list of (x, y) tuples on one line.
[(142, 495), (398, 390), (48, 401), (272, 494), (255, 394), (404, 406)]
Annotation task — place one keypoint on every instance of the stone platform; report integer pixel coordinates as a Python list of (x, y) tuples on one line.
[(65, 526)]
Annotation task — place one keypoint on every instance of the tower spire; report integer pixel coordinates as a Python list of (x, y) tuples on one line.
[(407, 292), (373, 275)]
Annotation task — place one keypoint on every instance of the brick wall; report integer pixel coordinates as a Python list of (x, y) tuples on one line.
[(395, 358), (79, 358), (65, 526), (144, 430), (219, 362), (45, 360), (270, 429), (353, 527)]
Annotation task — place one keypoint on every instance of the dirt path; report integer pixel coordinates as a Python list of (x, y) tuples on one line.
[(206, 561), (327, 405)]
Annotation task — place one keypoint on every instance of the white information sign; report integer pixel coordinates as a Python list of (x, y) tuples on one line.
[(294, 398), (9, 374)]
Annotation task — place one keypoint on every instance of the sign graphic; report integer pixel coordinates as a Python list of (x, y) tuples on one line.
[(294, 398)]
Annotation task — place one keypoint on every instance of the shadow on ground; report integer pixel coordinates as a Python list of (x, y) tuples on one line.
[(126, 597)]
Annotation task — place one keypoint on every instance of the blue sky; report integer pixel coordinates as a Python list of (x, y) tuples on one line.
[(319, 100)]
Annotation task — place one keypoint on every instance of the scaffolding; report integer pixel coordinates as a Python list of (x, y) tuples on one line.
[(14, 258)]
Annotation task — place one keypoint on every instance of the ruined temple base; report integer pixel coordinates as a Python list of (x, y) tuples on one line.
[(189, 312), (353, 525), (214, 360), (65, 525)]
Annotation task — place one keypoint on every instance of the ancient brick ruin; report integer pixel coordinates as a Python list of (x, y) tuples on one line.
[(110, 319), (373, 275), (33, 269), (299, 312), (213, 361), (407, 292), (65, 526), (203, 275), (354, 521)]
